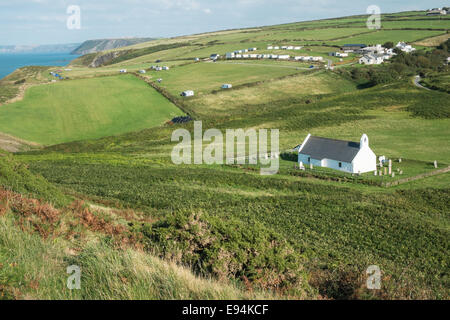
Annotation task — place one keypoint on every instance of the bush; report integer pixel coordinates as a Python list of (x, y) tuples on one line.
[(229, 248)]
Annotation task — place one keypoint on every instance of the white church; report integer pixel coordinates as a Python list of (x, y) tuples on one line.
[(347, 156)]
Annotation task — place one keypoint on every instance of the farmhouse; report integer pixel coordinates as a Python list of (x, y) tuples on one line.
[(405, 47), (436, 12), (341, 155), (371, 59)]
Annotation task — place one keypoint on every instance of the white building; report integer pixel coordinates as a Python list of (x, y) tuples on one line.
[(338, 54), (188, 93), (405, 47), (341, 155), (436, 11), (371, 59)]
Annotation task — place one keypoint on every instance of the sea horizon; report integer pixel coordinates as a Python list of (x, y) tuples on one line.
[(9, 62)]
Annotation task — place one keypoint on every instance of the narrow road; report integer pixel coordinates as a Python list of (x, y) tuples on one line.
[(416, 81)]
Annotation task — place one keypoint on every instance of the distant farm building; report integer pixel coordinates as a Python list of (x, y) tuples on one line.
[(341, 155), (405, 47), (436, 12), (188, 93), (371, 59)]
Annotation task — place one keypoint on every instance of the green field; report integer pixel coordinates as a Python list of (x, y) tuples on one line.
[(205, 77), (85, 109)]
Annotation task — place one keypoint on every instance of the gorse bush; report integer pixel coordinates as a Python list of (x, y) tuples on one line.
[(230, 248), (15, 176)]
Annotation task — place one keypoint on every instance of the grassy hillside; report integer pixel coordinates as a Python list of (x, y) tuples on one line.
[(38, 242), (144, 228), (84, 109)]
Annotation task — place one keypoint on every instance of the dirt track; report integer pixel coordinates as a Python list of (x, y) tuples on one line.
[(13, 144)]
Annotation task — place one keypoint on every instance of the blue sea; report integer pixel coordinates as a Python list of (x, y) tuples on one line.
[(11, 61)]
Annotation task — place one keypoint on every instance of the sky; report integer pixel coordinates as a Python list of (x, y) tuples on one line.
[(28, 22)]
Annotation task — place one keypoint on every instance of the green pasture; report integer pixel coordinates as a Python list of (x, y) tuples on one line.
[(85, 109)]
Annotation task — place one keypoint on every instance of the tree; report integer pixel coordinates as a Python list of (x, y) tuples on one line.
[(423, 62), (388, 45)]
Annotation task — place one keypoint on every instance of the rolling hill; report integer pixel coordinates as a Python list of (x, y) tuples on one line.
[(94, 46)]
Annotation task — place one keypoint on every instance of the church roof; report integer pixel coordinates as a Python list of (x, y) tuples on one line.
[(323, 148)]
